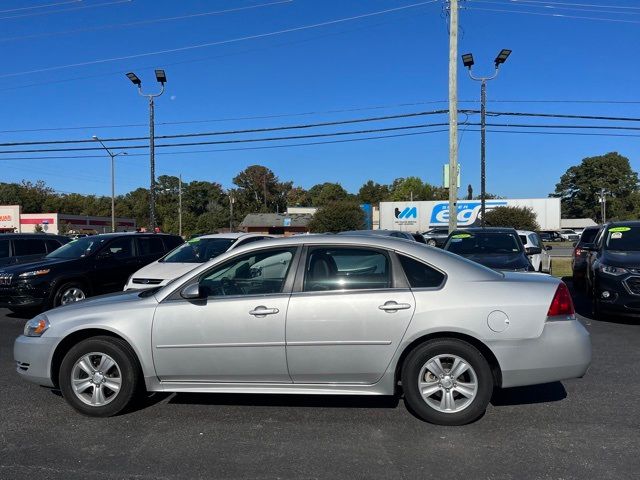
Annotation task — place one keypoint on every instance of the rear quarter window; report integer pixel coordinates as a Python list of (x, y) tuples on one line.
[(420, 275)]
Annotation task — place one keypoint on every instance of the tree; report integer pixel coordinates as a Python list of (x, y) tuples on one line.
[(64, 228), (373, 193), (337, 217), (259, 190), (298, 197), (520, 218), (410, 188), (580, 186), (326, 193)]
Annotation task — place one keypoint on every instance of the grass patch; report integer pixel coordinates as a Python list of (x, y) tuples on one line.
[(560, 244), (561, 267)]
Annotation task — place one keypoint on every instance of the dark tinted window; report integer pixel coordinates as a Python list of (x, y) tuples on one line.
[(52, 244), (121, 248), (485, 243), (171, 242), (29, 246), (623, 238), (4, 248), (150, 245), (248, 240), (420, 275), (346, 269), (588, 235), (255, 273)]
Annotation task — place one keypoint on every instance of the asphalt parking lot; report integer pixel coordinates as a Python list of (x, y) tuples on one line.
[(578, 429)]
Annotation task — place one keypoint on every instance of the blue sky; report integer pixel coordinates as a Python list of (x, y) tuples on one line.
[(385, 60)]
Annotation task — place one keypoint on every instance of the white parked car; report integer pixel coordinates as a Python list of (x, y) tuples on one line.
[(569, 235), (188, 256), (537, 251)]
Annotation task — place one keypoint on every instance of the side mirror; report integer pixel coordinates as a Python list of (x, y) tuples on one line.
[(549, 247), (590, 247), (191, 292), (533, 250)]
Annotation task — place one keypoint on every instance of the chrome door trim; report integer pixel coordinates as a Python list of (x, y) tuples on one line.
[(223, 345), (338, 342)]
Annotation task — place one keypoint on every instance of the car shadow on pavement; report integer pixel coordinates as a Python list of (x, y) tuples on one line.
[(544, 393), (286, 400)]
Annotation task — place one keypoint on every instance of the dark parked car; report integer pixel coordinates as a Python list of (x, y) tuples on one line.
[(25, 247), (580, 254), (497, 248), (418, 237), (81, 268), (613, 271), (551, 236), (436, 236)]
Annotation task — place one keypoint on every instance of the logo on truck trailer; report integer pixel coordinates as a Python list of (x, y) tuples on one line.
[(467, 212)]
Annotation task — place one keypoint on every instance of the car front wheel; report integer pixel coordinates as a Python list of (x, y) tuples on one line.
[(99, 376), (447, 382), (69, 293)]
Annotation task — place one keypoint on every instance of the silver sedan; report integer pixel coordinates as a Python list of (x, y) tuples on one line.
[(339, 315)]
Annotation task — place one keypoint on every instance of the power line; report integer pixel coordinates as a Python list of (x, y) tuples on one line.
[(547, 2), (33, 7), (35, 14), (553, 7), (557, 115), (235, 132), (141, 22), (560, 15), (220, 142), (219, 42)]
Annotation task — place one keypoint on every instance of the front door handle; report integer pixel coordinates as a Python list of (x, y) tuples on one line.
[(263, 311), (392, 306)]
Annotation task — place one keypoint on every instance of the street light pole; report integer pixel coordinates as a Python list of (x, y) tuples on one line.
[(453, 115), (113, 182), (468, 62), (180, 205), (162, 79)]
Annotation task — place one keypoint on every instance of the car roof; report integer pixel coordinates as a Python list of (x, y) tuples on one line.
[(524, 232), (120, 234), (232, 235), (621, 223), (380, 232), (486, 229), (30, 235)]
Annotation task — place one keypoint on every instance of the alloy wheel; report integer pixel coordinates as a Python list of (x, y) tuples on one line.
[(448, 383), (96, 379), (72, 294)]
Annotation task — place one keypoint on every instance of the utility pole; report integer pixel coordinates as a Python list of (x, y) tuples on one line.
[(603, 206), (231, 200), (467, 60), (161, 77), (113, 181), (453, 115), (180, 205)]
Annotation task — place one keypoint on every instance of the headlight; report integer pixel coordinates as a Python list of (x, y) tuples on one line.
[(34, 273), (36, 326), (615, 271)]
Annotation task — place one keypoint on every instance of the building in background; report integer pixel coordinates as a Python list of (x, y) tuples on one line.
[(577, 224), (276, 223), (13, 220), (422, 216)]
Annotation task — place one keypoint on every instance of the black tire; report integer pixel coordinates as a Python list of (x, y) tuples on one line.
[(126, 362), (56, 301), (411, 369)]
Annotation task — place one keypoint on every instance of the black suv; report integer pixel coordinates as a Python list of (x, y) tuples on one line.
[(494, 247), (25, 247), (579, 257), (88, 266), (613, 272)]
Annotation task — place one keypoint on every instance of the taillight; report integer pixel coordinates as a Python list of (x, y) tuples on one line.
[(578, 251), (562, 304)]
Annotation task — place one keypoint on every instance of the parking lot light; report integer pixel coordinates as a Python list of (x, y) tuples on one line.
[(467, 60), (161, 77), (134, 79), (502, 57)]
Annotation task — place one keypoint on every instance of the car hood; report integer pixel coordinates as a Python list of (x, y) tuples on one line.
[(34, 265), (165, 270), (94, 303), (507, 261), (620, 259)]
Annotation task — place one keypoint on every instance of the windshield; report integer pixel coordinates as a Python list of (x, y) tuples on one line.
[(589, 235), (483, 243), (198, 250), (82, 247), (623, 239)]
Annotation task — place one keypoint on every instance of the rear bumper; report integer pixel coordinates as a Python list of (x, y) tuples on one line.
[(563, 351), (33, 358)]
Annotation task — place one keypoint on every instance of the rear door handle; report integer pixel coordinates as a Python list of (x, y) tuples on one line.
[(263, 311), (392, 306)]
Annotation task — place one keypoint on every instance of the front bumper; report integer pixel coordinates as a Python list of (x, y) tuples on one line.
[(33, 358), (620, 301), (24, 293), (561, 352)]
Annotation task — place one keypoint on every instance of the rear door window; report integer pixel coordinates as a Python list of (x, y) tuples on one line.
[(29, 246), (150, 246), (4, 248), (52, 245), (346, 269)]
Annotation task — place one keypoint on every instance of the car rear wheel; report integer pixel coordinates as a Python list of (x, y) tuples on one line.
[(69, 292), (447, 382), (99, 376)]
